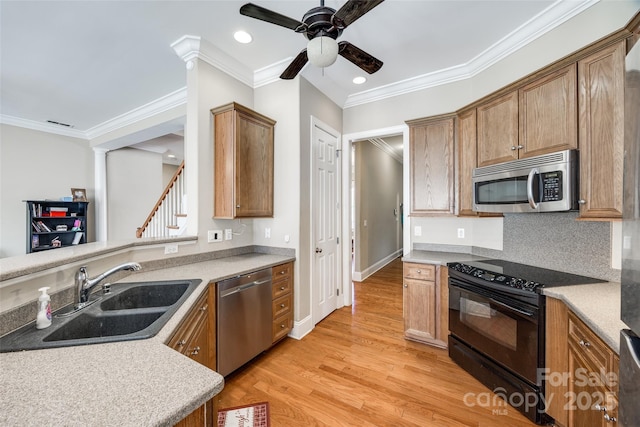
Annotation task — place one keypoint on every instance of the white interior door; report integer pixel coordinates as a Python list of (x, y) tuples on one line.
[(325, 198)]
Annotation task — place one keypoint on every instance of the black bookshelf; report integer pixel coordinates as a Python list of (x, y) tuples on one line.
[(53, 221)]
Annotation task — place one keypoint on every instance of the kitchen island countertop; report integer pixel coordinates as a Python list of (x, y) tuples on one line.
[(128, 383)]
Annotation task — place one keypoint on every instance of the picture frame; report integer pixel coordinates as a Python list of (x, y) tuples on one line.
[(79, 194)]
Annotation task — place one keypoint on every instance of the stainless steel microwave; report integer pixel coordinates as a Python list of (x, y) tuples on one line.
[(546, 183)]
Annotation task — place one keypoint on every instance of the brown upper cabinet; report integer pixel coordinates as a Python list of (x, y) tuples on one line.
[(467, 157), (536, 119), (601, 132), (243, 162), (498, 130), (548, 114), (431, 157)]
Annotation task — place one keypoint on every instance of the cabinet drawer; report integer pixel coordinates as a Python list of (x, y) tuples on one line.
[(281, 272), (585, 342), (419, 271), (192, 324), (281, 306), (281, 326), (280, 288)]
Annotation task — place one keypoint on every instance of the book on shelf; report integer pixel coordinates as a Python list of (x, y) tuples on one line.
[(43, 227), (77, 238)]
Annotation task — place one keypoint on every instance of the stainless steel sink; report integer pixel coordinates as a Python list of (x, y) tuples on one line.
[(130, 311)]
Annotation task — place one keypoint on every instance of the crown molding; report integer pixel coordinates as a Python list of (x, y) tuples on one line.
[(191, 47), (155, 107), (383, 146), (270, 73), (42, 127), (550, 18)]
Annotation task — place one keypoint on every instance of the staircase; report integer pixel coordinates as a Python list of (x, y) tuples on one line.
[(168, 217)]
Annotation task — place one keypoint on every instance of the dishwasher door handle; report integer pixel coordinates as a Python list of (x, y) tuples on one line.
[(242, 288)]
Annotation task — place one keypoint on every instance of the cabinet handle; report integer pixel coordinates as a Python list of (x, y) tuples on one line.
[(282, 288), (204, 307), (282, 326), (598, 407), (419, 271), (237, 206), (282, 272), (586, 344), (406, 286), (513, 148), (281, 305), (520, 147), (195, 351), (181, 343), (582, 202), (608, 418)]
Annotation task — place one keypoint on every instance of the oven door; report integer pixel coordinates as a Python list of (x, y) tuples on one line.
[(502, 329)]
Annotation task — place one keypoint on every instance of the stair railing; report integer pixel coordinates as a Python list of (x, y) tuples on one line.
[(162, 218)]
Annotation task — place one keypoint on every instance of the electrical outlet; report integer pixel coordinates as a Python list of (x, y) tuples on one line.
[(214, 236), (460, 233), (228, 234), (417, 231), (267, 233), (171, 249)]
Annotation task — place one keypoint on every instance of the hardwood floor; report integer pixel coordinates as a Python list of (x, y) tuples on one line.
[(356, 369)]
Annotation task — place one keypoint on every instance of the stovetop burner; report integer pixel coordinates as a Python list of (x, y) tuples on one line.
[(519, 276)]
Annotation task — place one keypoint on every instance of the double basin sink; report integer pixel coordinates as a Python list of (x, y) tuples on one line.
[(130, 311)]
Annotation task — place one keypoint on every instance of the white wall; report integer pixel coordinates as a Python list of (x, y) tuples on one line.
[(134, 185), (167, 173), (207, 88), (38, 165)]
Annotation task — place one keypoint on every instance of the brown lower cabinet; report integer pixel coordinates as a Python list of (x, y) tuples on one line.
[(582, 379), (425, 302), (195, 338), (282, 300)]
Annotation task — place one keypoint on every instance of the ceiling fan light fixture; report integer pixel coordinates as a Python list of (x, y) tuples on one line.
[(242, 37), (322, 51)]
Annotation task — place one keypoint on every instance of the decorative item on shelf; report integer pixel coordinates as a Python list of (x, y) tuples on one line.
[(79, 194), (55, 242), (61, 227), (35, 241), (77, 225)]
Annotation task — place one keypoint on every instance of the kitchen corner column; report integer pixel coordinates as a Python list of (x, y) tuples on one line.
[(100, 183)]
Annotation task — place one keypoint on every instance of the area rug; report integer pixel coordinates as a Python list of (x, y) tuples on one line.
[(254, 415)]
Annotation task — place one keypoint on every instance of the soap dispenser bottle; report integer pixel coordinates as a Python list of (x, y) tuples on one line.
[(43, 319)]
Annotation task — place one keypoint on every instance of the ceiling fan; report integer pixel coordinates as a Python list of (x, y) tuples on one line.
[(322, 26)]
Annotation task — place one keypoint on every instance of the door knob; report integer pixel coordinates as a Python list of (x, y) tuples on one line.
[(318, 250)]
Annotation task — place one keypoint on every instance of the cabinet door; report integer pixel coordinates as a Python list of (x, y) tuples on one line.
[(467, 160), (432, 165), (548, 114), (419, 302), (498, 130), (254, 167), (601, 118)]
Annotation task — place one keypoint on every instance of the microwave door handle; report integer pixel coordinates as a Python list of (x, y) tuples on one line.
[(530, 197)]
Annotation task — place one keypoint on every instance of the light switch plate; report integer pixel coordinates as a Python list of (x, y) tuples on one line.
[(228, 234)]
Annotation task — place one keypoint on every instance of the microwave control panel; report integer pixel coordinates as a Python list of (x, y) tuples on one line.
[(551, 186)]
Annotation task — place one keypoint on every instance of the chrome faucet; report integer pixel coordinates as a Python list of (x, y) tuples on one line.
[(84, 284)]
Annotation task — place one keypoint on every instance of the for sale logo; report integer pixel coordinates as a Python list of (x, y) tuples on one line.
[(500, 400)]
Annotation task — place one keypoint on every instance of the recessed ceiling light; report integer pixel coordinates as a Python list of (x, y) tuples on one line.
[(242, 37), (359, 80), (171, 156)]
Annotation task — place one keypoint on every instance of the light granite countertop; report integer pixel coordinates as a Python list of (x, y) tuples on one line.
[(597, 305), (129, 383)]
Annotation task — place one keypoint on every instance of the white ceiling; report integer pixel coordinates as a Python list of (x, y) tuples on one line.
[(85, 63)]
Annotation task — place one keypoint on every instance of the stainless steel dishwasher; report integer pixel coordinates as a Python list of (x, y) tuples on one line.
[(244, 320)]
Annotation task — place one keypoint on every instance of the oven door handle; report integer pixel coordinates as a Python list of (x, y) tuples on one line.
[(514, 309), (530, 196)]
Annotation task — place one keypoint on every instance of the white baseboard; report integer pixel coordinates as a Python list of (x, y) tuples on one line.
[(301, 328), (359, 276)]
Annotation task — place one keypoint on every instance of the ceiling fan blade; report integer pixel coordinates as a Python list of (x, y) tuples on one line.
[(359, 57), (258, 12), (352, 10), (296, 65)]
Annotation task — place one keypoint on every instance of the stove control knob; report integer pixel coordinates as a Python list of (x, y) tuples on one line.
[(500, 279)]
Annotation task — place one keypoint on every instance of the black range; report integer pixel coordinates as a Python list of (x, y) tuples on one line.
[(497, 326)]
